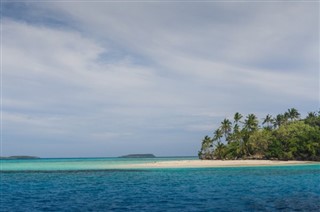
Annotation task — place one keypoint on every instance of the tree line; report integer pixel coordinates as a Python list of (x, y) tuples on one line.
[(286, 136)]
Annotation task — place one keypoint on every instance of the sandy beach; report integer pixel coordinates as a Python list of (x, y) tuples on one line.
[(216, 163)]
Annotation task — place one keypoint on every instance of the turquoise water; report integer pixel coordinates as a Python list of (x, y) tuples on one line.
[(56, 164), (66, 188)]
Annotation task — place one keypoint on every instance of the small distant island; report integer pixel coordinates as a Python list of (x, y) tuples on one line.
[(286, 136), (19, 157), (138, 156)]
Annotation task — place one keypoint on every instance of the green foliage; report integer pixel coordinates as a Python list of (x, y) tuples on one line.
[(298, 140), (259, 142), (219, 152), (290, 138), (233, 151), (313, 119)]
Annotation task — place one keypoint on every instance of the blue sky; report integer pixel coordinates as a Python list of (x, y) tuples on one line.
[(94, 79)]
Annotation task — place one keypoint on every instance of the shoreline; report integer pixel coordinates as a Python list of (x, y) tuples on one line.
[(216, 163)]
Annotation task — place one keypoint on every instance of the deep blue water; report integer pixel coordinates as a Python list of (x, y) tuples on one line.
[(285, 188)]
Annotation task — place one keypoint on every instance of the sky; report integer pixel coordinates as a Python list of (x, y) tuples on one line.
[(109, 78)]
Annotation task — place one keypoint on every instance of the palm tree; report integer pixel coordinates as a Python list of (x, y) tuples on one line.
[(218, 153), (237, 117), (226, 127), (313, 119), (293, 114), (280, 120), (207, 142), (218, 135), (311, 115), (286, 116), (268, 120), (236, 136), (205, 152), (236, 129), (251, 123)]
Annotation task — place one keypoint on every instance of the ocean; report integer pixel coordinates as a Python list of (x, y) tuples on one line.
[(95, 184)]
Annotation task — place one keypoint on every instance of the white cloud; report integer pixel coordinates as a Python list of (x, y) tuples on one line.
[(260, 31), (228, 50)]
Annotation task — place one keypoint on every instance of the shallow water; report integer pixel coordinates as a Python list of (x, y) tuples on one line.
[(51, 164), (283, 188)]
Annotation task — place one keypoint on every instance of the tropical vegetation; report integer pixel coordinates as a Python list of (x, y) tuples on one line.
[(286, 136)]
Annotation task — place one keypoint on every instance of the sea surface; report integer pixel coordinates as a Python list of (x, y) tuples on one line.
[(96, 184)]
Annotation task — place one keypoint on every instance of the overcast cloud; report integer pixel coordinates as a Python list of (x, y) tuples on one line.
[(98, 79)]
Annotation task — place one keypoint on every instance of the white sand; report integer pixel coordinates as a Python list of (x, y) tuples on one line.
[(215, 163)]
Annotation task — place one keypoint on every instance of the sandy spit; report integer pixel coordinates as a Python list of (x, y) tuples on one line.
[(215, 163)]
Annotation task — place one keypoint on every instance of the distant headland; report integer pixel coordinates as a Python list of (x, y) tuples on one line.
[(19, 157), (138, 156)]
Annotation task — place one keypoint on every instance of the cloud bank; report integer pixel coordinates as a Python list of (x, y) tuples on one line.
[(111, 78)]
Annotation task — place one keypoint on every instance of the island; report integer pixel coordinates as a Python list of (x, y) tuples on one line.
[(138, 156), (19, 157), (284, 137)]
